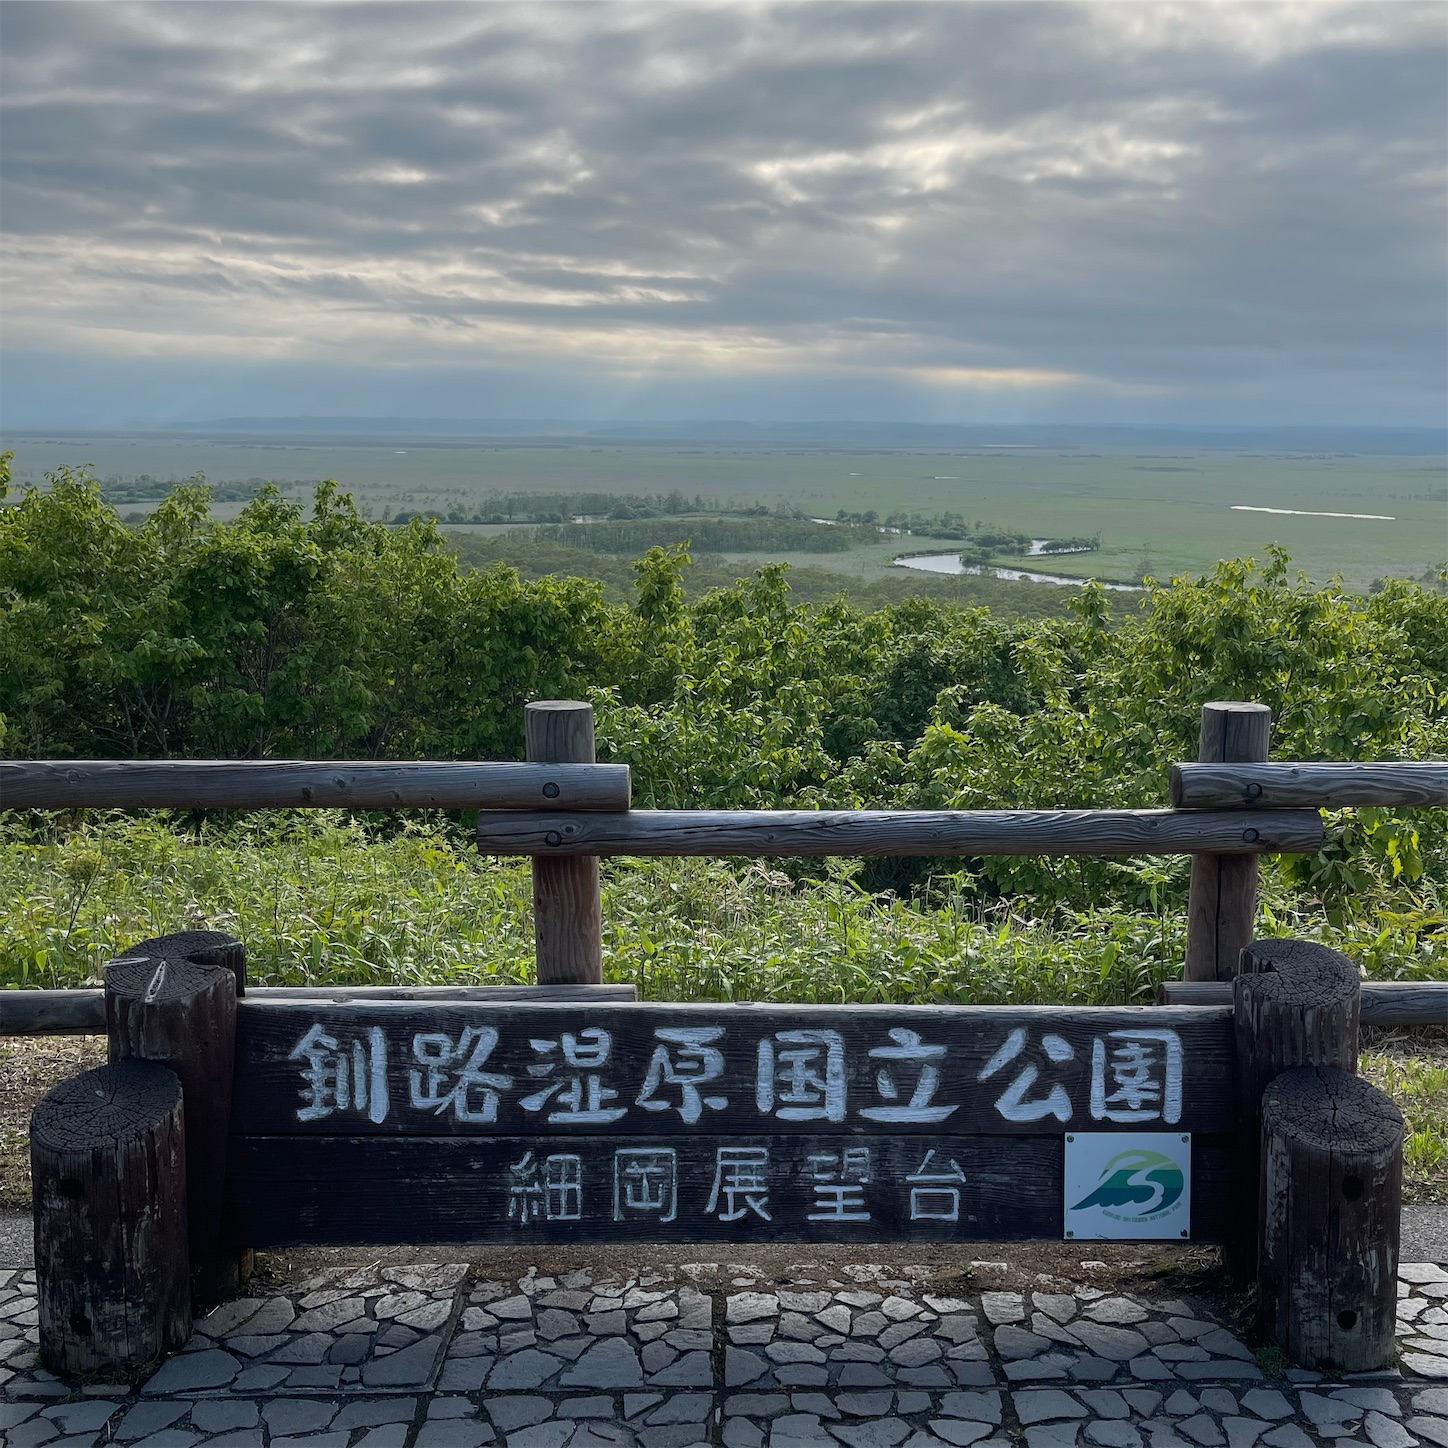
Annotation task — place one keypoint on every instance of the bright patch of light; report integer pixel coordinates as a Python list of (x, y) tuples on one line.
[(1305, 513)]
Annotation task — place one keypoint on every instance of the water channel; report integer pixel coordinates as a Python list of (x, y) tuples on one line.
[(950, 563)]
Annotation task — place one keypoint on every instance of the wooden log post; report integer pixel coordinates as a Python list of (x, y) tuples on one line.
[(567, 905), (1295, 1003), (1223, 901), (163, 1004), (1332, 1177), (108, 1162)]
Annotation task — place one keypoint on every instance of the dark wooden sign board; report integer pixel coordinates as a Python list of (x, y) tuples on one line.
[(390, 1121)]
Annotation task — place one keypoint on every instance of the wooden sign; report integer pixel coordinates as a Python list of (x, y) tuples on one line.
[(385, 1121)]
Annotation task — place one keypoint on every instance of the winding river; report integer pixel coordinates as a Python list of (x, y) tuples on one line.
[(950, 563)]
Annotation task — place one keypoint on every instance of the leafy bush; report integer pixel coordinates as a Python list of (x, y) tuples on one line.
[(328, 635)]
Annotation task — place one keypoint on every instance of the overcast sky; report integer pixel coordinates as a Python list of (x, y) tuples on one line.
[(945, 212)]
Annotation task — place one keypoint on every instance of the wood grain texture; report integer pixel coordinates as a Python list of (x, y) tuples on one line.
[(900, 832), (1295, 1003), (1222, 901), (200, 947), (567, 897), (1401, 783), (288, 1055), (83, 1012), (1332, 1150), (287, 1191), (108, 1158), (325, 784), (175, 1011), (1384, 1002)]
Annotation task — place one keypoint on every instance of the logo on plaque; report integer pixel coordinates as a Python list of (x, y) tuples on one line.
[(1128, 1185)]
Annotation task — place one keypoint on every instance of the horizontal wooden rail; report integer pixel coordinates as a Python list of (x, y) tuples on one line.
[(1384, 1002), (899, 832), (325, 784), (83, 1012), (52, 1012), (1410, 785)]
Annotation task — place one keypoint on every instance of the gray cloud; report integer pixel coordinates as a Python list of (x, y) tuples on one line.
[(1164, 210)]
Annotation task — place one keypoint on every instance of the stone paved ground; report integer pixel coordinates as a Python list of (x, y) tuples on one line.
[(433, 1356)]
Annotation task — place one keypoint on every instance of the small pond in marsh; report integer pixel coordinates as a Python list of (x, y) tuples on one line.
[(950, 563)]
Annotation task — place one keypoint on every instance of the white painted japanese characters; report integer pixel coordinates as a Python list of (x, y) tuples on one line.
[(798, 1076)]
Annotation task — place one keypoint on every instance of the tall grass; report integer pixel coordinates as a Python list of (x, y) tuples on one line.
[(1419, 1084), (329, 900)]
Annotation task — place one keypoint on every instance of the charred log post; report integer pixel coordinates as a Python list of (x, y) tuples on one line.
[(1295, 1003), (108, 1158), (164, 1004), (1332, 1177)]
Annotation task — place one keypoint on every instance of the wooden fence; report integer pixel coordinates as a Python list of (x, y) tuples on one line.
[(566, 811), (570, 1112)]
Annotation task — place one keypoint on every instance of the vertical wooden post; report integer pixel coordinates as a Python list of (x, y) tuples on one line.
[(1332, 1178), (108, 1165), (166, 1007), (567, 907), (1223, 900), (1296, 1003)]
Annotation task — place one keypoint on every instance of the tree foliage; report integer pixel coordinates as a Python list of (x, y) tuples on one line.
[(295, 633)]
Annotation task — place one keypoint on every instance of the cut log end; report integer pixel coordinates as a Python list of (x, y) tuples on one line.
[(1332, 1111), (116, 1103), (200, 949), (1298, 972)]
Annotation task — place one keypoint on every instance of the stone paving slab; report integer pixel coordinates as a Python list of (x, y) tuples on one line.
[(427, 1356)]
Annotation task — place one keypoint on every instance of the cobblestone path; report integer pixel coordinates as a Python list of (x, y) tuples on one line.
[(429, 1356)]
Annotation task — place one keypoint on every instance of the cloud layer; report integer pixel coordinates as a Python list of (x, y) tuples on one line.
[(1195, 211)]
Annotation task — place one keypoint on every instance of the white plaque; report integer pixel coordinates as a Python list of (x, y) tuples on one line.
[(1129, 1185)]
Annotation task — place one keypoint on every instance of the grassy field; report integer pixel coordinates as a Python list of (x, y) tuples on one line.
[(321, 900), (1412, 1067), (1167, 507)]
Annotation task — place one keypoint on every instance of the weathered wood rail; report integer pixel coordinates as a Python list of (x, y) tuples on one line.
[(307, 784), (83, 1012), (566, 812), (1397, 784), (899, 832), (1384, 1002)]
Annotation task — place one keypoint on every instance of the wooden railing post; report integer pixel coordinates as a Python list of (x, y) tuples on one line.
[(567, 907), (1295, 1003), (1332, 1177), (1223, 900), (173, 1000)]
